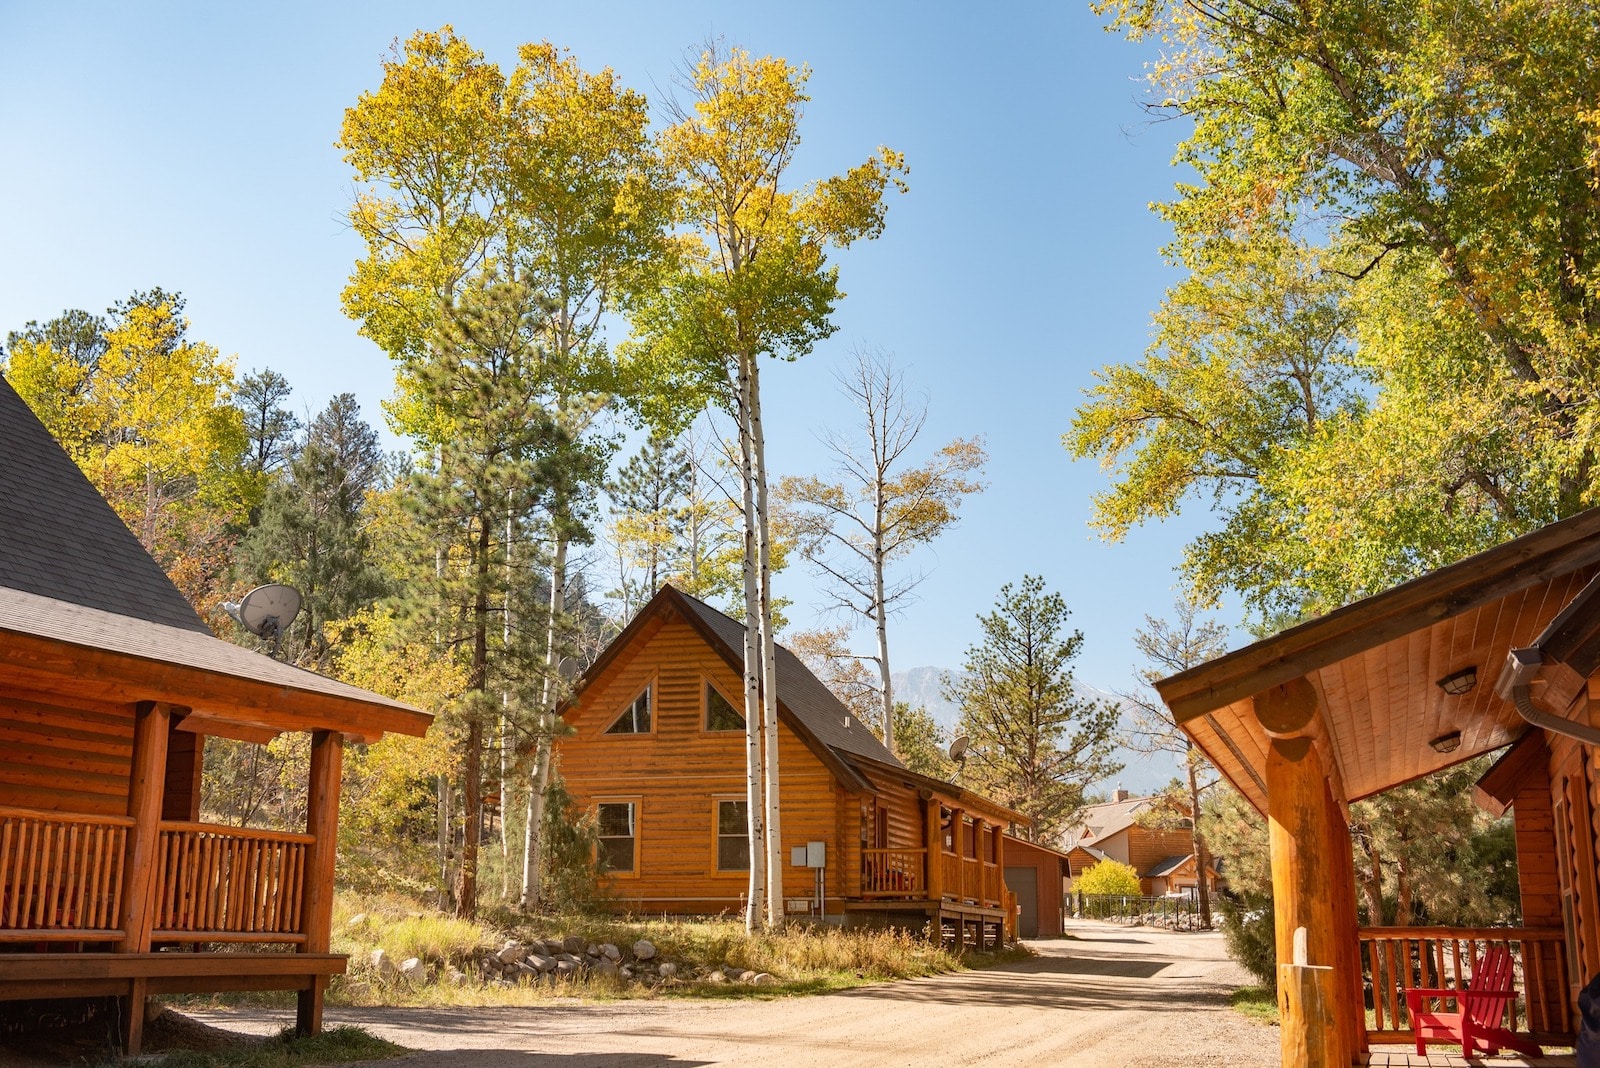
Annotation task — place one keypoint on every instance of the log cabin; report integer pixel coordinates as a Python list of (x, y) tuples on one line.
[(1163, 857), (656, 756), (110, 885), (1500, 651)]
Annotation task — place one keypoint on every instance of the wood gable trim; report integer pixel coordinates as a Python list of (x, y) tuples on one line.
[(1558, 549), (1497, 789)]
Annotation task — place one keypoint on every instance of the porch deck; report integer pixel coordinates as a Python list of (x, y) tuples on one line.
[(1406, 1057), (963, 892)]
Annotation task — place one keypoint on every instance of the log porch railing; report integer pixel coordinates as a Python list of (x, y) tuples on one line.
[(227, 884), (1396, 958), (891, 873), (60, 875), (61, 880)]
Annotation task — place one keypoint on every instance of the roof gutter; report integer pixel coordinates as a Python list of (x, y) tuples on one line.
[(1522, 665)]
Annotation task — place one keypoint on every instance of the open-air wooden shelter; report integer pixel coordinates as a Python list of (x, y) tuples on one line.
[(1501, 649), (109, 686)]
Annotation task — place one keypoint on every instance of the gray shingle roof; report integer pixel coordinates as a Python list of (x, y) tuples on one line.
[(61, 540), (802, 693)]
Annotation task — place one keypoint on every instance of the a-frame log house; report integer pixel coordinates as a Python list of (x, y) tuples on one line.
[(1501, 649), (657, 755), (109, 685)]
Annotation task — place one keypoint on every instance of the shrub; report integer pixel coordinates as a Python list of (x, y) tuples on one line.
[(1109, 877), (1247, 926)]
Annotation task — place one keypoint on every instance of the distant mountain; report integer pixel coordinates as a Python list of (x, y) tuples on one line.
[(1141, 773)]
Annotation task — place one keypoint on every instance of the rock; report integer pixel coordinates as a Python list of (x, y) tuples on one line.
[(610, 952), (554, 946), (413, 970), (455, 976), (591, 950), (357, 920), (500, 983), (542, 963), (572, 944), (747, 976), (382, 964), (570, 959), (525, 971), (605, 967), (668, 970), (565, 967), (626, 972), (764, 979), (511, 952), (716, 977), (643, 949)]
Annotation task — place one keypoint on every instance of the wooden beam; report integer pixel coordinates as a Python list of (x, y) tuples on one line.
[(146, 784), (203, 724), (322, 823), (1307, 877), (1287, 709)]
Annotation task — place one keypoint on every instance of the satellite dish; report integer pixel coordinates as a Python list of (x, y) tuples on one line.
[(958, 748), (267, 611)]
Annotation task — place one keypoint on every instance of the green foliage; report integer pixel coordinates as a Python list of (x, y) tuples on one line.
[(1108, 877), (1248, 929), (1035, 743), (570, 843), (1260, 1003), (335, 1045)]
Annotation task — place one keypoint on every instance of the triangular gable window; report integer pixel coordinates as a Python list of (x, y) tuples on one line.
[(720, 713), (635, 719)]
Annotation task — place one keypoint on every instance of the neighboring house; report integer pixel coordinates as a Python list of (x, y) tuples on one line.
[(1164, 859), (657, 755), (1037, 875), (109, 686)]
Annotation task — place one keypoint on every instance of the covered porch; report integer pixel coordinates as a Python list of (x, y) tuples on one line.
[(1494, 650), (955, 878)]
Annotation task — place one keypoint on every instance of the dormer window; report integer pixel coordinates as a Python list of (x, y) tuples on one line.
[(635, 719), (720, 713)]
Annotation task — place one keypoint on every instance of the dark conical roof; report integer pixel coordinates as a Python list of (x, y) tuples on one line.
[(60, 539)]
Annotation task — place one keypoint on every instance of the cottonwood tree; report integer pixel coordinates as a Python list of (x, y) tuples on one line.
[(750, 279), (876, 508), (1169, 648), (1035, 744)]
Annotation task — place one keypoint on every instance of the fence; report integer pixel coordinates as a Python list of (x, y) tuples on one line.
[(1180, 913)]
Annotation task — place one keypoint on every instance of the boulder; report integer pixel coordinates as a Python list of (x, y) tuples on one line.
[(382, 964), (357, 920), (609, 951), (668, 970), (643, 949), (511, 952), (764, 979), (626, 972), (565, 967), (716, 977), (554, 946), (413, 970), (454, 976), (747, 976), (572, 944), (542, 963), (606, 967)]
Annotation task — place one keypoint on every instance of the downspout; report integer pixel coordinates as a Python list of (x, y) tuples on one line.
[(1521, 667)]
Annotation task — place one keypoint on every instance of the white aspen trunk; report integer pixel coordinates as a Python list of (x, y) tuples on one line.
[(769, 674), (532, 833), (755, 796)]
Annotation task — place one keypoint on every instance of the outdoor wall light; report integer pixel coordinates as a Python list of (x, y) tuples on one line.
[(1459, 682), (1446, 743)]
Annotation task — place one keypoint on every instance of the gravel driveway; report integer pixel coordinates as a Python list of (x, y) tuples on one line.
[(1108, 998)]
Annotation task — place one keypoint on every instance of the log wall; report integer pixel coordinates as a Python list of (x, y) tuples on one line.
[(64, 759), (677, 771)]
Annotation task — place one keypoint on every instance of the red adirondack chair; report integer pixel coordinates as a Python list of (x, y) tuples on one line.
[(1481, 1007)]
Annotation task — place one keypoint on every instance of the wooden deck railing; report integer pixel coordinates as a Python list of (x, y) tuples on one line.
[(228, 884), (971, 879), (60, 875), (1394, 959), (891, 873)]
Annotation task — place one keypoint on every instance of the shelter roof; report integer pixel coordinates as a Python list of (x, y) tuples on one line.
[(1375, 665), (63, 540), (1166, 867)]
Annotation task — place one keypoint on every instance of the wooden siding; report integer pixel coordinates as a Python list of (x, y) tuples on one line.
[(679, 769), (1537, 881), (1147, 848), (64, 759), (1046, 869)]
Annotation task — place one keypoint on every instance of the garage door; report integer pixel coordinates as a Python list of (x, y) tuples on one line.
[(1024, 882)]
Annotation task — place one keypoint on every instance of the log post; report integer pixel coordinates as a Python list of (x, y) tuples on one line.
[(935, 847), (322, 823), (1321, 1018), (147, 780)]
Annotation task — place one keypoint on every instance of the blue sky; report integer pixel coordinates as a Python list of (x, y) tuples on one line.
[(191, 147)]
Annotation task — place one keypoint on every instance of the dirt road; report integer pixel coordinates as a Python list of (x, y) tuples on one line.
[(1110, 998)]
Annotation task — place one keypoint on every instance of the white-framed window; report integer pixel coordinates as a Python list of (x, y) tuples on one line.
[(618, 826), (635, 719), (733, 834)]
